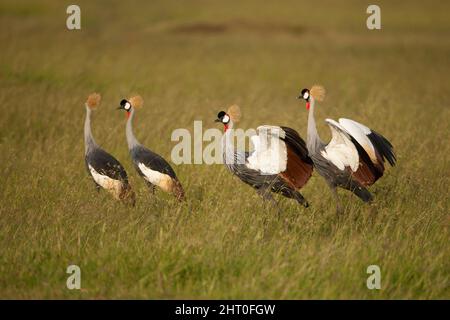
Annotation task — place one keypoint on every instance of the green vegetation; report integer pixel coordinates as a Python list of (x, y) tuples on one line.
[(188, 61)]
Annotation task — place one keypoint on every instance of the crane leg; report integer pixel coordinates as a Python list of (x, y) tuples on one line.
[(127, 194), (339, 209), (267, 196), (151, 187)]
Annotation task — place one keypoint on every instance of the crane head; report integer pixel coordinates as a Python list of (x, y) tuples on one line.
[(305, 95), (133, 102), (223, 117), (125, 105)]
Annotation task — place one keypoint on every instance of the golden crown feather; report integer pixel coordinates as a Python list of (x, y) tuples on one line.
[(93, 100), (318, 92), (234, 112), (136, 101)]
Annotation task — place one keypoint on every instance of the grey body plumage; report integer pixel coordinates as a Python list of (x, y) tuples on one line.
[(367, 171), (155, 170), (141, 154), (338, 178), (236, 162), (100, 163)]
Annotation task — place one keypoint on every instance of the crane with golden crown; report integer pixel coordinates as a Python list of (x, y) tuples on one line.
[(355, 156), (279, 162), (152, 167), (104, 169)]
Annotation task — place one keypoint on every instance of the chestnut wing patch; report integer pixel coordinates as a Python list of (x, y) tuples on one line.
[(299, 165)]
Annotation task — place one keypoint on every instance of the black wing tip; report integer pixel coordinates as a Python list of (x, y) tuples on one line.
[(384, 147), (294, 139)]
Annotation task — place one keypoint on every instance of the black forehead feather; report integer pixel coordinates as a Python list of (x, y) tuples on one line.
[(221, 114)]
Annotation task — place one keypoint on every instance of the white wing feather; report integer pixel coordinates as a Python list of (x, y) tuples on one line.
[(150, 175), (360, 132), (112, 185), (271, 130), (341, 151), (270, 154)]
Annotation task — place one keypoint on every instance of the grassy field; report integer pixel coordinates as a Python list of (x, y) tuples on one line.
[(189, 60)]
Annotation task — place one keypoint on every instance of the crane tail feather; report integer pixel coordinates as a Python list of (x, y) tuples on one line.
[(178, 191), (360, 191)]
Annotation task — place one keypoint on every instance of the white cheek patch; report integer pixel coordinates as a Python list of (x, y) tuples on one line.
[(306, 95), (127, 106), (225, 118)]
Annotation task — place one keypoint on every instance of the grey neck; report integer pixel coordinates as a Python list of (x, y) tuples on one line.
[(313, 141), (131, 140), (89, 142), (227, 145)]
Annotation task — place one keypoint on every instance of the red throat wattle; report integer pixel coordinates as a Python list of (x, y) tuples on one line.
[(128, 114), (307, 105), (225, 127)]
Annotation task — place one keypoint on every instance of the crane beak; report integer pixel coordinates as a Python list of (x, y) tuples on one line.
[(217, 120)]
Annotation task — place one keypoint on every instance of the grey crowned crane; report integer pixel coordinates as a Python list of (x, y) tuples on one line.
[(104, 169), (150, 166), (279, 162), (355, 156)]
